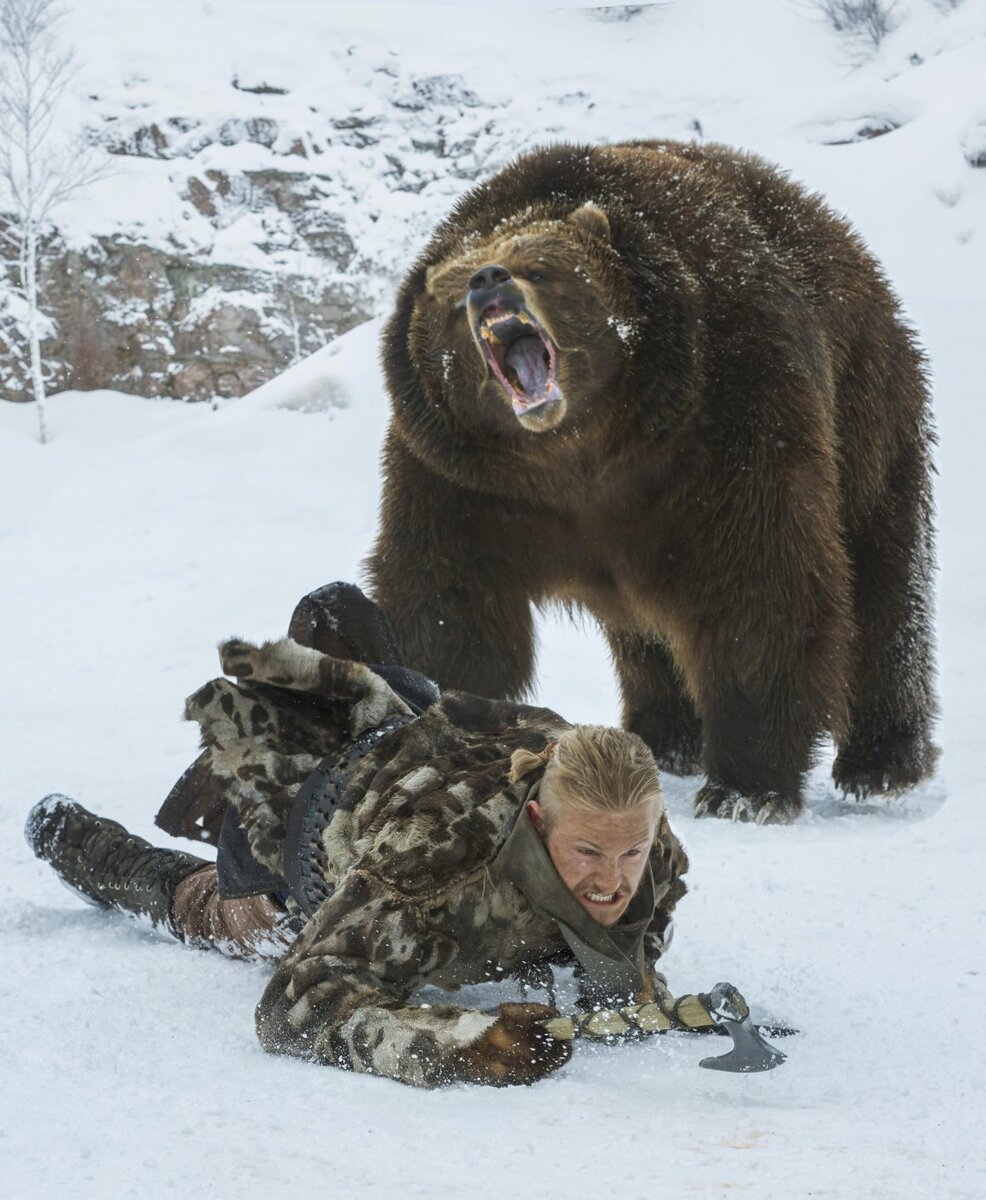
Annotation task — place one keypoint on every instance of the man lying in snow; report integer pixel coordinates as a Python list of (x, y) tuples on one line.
[(375, 837)]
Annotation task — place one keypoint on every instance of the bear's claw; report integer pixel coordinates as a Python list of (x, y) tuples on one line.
[(762, 808), (904, 762)]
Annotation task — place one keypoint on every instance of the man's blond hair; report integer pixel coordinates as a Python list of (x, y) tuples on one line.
[(595, 767)]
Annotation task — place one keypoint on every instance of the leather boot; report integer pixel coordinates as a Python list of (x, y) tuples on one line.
[(339, 620), (106, 864)]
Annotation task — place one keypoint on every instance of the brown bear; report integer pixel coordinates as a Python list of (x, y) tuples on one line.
[(662, 383)]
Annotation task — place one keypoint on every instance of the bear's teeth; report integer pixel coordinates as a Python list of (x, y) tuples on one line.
[(499, 318)]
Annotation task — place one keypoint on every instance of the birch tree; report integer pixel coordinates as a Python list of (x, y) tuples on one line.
[(38, 169)]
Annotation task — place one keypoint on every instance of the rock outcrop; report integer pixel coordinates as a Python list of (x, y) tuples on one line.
[(263, 264)]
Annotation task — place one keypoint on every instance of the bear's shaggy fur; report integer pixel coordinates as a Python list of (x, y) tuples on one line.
[(663, 383)]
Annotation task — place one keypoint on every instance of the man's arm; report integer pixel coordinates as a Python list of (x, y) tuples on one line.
[(340, 997)]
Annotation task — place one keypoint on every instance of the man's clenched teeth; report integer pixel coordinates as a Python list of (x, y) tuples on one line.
[(599, 898)]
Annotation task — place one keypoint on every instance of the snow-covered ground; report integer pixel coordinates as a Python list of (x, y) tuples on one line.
[(148, 530)]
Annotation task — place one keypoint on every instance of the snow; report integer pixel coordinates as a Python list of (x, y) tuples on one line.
[(148, 530)]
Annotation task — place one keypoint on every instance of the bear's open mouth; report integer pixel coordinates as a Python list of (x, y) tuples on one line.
[(521, 356)]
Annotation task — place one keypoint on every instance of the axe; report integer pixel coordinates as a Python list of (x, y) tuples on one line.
[(724, 1007)]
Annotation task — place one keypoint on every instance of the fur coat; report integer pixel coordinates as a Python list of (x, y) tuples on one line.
[(412, 856)]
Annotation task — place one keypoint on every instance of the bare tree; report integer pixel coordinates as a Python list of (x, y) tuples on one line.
[(865, 21), (37, 170)]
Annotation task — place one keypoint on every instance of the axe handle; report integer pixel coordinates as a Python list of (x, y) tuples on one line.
[(659, 1015)]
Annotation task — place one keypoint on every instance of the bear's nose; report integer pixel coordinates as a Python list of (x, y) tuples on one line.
[(488, 276)]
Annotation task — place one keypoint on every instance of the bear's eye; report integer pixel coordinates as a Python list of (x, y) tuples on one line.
[(535, 276)]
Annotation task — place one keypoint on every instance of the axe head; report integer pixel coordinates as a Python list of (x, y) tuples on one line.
[(751, 1052)]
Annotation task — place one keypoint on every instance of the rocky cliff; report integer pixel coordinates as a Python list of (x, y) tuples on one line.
[(261, 267)]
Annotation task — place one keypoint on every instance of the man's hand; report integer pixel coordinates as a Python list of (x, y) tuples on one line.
[(515, 1049)]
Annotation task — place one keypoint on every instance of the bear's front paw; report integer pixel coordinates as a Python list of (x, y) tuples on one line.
[(515, 1049), (762, 808)]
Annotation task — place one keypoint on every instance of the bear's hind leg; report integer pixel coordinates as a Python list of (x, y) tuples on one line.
[(887, 746), (655, 703)]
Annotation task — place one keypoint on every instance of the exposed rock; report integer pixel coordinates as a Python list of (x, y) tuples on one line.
[(144, 320), (147, 141), (974, 142), (283, 271), (431, 91), (261, 130), (259, 89), (618, 12)]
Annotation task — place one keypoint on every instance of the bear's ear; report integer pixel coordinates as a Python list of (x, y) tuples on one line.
[(592, 219)]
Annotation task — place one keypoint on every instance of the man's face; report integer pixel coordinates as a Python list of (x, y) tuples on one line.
[(600, 856)]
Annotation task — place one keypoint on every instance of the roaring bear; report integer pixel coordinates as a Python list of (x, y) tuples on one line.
[(662, 383)]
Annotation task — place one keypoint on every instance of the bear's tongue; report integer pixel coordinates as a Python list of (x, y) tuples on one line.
[(527, 358)]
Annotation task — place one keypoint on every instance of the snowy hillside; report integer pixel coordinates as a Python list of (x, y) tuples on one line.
[(147, 530), (270, 177), (395, 108)]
